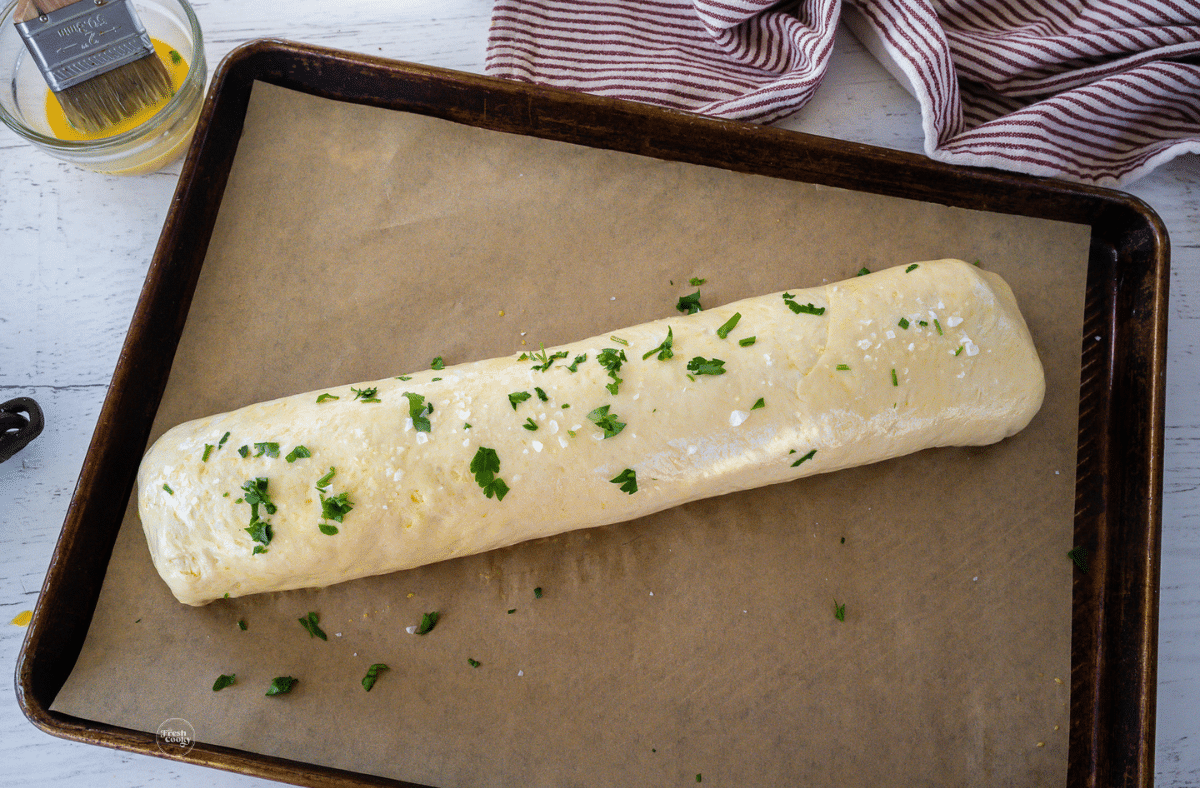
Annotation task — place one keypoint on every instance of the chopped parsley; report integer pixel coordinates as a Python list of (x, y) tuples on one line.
[(176, 58), (517, 397), (530, 424), (537, 593), (325, 480), (372, 676), (839, 611), (863, 271), (612, 359), (895, 380), (312, 627), (224, 680), (473, 662), (760, 403), (619, 341), (208, 449), (221, 443), (327, 529), (547, 361), (404, 377), (664, 350), (747, 342), (729, 325), (270, 449), (336, 507), (922, 323), (256, 495), (696, 281), (959, 351), (242, 624), (807, 309), (428, 622), (1079, 556), (574, 365), (628, 481), (326, 397), (689, 304), (298, 453), (366, 394), (843, 367), (244, 451), (911, 268), (485, 465), (261, 532), (419, 411), (606, 421), (541, 394), (903, 323), (938, 326), (167, 487), (437, 363), (282, 685), (702, 366), (812, 453)]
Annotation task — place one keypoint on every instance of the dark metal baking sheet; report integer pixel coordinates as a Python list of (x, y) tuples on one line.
[(1114, 626)]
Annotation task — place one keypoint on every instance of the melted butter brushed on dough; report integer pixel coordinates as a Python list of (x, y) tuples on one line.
[(969, 376)]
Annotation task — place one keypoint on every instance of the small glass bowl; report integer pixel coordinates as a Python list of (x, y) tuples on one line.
[(147, 147)]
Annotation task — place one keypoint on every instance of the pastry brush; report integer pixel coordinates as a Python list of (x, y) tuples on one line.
[(96, 56)]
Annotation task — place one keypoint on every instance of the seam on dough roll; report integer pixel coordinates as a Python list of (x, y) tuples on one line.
[(655, 415)]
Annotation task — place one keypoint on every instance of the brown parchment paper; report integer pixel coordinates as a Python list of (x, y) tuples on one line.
[(355, 243)]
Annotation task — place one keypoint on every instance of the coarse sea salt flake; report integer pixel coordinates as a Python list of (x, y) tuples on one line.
[(737, 417), (953, 320)]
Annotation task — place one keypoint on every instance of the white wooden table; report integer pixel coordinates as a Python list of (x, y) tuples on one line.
[(75, 246)]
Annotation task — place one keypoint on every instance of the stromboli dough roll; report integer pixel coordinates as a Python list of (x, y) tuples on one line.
[(935, 354)]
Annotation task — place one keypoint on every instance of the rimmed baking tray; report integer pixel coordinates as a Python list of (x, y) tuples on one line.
[(1118, 482)]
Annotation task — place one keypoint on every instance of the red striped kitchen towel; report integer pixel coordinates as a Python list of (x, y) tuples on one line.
[(1096, 91)]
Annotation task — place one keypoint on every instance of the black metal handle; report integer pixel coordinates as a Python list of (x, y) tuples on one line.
[(21, 421)]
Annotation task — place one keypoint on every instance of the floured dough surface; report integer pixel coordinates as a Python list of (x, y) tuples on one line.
[(875, 367)]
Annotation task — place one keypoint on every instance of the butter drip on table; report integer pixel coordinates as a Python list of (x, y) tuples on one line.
[(410, 470)]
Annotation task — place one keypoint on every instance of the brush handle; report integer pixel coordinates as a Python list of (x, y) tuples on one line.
[(26, 10)]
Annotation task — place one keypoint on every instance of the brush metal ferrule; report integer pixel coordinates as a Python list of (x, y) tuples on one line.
[(84, 40)]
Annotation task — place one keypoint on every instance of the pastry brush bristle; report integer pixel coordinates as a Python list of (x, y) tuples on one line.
[(113, 96)]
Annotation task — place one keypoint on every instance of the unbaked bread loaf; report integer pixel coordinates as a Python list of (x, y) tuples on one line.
[(319, 488)]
